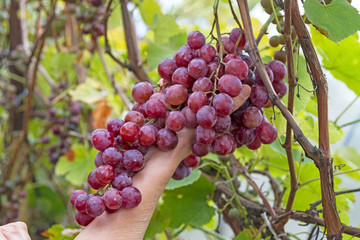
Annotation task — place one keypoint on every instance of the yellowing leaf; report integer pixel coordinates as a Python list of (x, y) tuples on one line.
[(101, 114)]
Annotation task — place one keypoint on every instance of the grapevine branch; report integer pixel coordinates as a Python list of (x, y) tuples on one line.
[(132, 44), (288, 141), (324, 162), (311, 151)]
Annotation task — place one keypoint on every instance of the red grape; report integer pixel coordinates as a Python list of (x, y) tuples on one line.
[(133, 160), (235, 35), (223, 144), (175, 121), (183, 56), (93, 182), (147, 135), (114, 125), (136, 117), (131, 197), (80, 202), (207, 52), (121, 181), (166, 139), (83, 219), (244, 136), (280, 87), (197, 100), (278, 68), (237, 67), (181, 76), (223, 124), (200, 150), (206, 117), (129, 132), (266, 132), (255, 144), (95, 206), (196, 39), (75, 194), (203, 84), (180, 172), (191, 161), (141, 92), (166, 68), (102, 139), (112, 156), (176, 94), (223, 104), (252, 117), (230, 85), (258, 96), (190, 117), (112, 198), (269, 73), (155, 108), (197, 68), (204, 135), (104, 174)]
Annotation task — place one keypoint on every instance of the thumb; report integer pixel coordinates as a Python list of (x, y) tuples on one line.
[(242, 97)]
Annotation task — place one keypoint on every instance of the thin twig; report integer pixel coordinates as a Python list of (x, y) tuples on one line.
[(314, 204), (345, 109), (349, 123), (111, 79), (264, 29), (274, 186)]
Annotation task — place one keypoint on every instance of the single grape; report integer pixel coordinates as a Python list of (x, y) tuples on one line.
[(200, 150), (96, 3), (104, 174), (280, 87), (252, 117), (274, 41), (160, 96), (279, 69), (235, 34), (136, 117), (231, 56), (75, 194), (206, 117), (204, 135), (223, 104), (229, 46), (175, 121), (191, 161), (181, 76), (166, 139), (93, 182), (83, 219), (223, 144), (121, 181), (183, 56), (248, 61), (133, 160), (98, 159), (102, 139), (190, 117), (112, 199), (213, 69), (207, 52), (112, 156), (250, 78), (258, 77), (129, 132), (237, 67), (266, 132), (147, 135), (282, 40), (230, 85), (203, 84), (95, 206), (258, 96), (180, 172), (280, 56), (75, 108), (155, 108), (255, 144), (141, 92), (196, 39), (80, 202), (223, 124), (131, 197), (244, 135), (197, 100), (176, 94), (166, 68), (197, 68)]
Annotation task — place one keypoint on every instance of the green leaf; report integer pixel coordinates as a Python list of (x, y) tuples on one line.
[(339, 19), (46, 202), (246, 234), (172, 184), (148, 9), (76, 170), (347, 158), (188, 205), (341, 60), (165, 26), (86, 92)]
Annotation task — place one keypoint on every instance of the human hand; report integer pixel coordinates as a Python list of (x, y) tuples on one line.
[(151, 181), (14, 231)]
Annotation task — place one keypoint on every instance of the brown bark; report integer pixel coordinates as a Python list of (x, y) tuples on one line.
[(324, 162), (15, 40)]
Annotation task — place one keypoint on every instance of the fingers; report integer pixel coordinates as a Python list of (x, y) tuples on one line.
[(242, 97), (14, 231)]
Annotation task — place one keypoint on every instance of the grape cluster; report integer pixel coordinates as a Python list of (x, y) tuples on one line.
[(10, 204), (62, 123), (196, 90)]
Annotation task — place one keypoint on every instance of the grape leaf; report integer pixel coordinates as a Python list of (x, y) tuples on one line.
[(341, 60), (246, 234), (76, 171), (172, 184), (148, 9), (165, 26), (339, 19), (188, 204)]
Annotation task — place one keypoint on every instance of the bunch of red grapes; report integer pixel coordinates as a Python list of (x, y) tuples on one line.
[(196, 91)]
